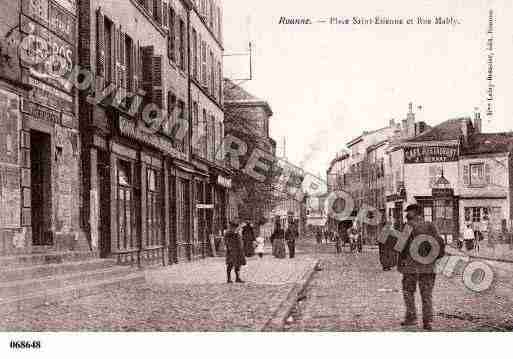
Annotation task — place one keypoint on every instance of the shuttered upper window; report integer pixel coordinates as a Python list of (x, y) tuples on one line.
[(182, 45), (171, 48)]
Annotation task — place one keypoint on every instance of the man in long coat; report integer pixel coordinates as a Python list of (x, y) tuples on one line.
[(248, 237), (290, 237), (417, 264), (234, 253)]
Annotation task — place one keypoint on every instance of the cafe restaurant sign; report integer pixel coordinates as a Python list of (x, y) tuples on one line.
[(133, 130), (430, 154)]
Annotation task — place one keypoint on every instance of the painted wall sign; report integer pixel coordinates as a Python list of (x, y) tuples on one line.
[(10, 124), (130, 129), (40, 112), (10, 197), (47, 57), (62, 23), (430, 154), (48, 95)]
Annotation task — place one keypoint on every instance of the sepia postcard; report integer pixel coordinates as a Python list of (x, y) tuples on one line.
[(246, 167)]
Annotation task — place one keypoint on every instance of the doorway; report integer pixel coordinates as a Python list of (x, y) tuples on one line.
[(41, 182), (104, 201)]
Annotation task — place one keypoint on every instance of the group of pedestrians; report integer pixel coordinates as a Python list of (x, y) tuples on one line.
[(280, 237), (241, 243), (350, 237)]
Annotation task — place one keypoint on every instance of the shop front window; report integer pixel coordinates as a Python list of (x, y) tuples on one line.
[(153, 212)]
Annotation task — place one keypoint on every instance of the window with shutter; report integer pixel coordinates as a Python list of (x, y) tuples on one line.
[(129, 63), (466, 175), (122, 60), (219, 25), (211, 15), (194, 54), (171, 114), (488, 177), (212, 138), (165, 13), (109, 51), (157, 11), (212, 74), (204, 147), (171, 48), (100, 43), (147, 73), (203, 63), (220, 84), (157, 91), (115, 55), (182, 45)]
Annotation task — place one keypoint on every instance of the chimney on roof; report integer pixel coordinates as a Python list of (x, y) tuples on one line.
[(465, 129), (392, 123), (477, 121)]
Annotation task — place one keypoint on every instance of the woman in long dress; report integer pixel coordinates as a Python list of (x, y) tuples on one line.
[(278, 240)]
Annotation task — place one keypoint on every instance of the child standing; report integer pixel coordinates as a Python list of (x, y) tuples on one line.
[(259, 250)]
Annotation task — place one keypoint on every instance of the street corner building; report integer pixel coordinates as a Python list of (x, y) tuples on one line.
[(40, 144), (457, 174), (80, 170)]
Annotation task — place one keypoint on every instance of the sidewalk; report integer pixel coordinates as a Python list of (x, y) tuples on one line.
[(191, 296), (491, 251)]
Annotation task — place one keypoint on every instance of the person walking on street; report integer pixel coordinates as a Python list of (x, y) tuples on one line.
[(234, 253), (278, 240), (248, 237), (468, 237), (387, 253), (354, 237), (318, 236), (290, 236), (417, 265), (338, 242)]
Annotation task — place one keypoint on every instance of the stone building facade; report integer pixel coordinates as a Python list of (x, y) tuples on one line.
[(142, 185), (40, 150)]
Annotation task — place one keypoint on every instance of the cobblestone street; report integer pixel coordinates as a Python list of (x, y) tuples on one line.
[(352, 293), (185, 297)]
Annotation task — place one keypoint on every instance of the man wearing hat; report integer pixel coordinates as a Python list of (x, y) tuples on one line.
[(234, 252), (417, 264)]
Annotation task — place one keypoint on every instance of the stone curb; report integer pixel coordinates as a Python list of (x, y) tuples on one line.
[(276, 322)]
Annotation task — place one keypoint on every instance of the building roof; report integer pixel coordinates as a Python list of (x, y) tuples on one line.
[(442, 182), (482, 143), (235, 95), (445, 131)]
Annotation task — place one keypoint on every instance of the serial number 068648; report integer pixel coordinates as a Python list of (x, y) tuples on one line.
[(24, 344)]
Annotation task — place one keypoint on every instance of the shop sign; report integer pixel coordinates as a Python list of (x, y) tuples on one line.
[(40, 112), (430, 154), (131, 129), (47, 57), (10, 124), (48, 95), (51, 14), (443, 192), (224, 182), (205, 206)]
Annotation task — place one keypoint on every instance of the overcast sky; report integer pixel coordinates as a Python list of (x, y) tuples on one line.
[(327, 83)]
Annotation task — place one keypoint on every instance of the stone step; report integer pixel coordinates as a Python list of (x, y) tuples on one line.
[(32, 285), (78, 290), (17, 273), (27, 260)]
